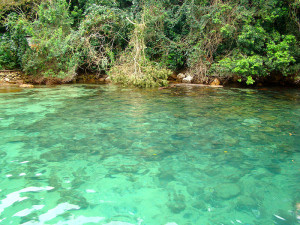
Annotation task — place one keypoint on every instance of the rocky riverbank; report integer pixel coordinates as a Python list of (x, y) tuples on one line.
[(236, 81), (13, 78), (17, 78)]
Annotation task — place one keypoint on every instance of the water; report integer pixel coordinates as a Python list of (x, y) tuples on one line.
[(87, 154)]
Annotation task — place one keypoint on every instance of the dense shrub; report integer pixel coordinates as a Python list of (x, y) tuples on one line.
[(134, 68), (245, 38), (13, 44)]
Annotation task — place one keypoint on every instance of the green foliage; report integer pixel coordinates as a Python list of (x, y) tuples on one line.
[(101, 37), (244, 38), (278, 58), (134, 68), (57, 50), (243, 66), (279, 54), (252, 39), (8, 58), (13, 44), (249, 80), (51, 53), (28, 7), (150, 75)]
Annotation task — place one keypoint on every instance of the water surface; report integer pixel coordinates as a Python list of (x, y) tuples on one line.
[(88, 154)]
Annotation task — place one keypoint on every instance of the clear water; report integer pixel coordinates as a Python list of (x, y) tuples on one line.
[(87, 154)]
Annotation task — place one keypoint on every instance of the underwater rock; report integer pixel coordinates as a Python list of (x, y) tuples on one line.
[(176, 203), (165, 177), (232, 158), (268, 117), (39, 163), (245, 203), (182, 135), (2, 154), (274, 168), (251, 121), (80, 175), (211, 172), (126, 169), (256, 137), (195, 190), (54, 181), (230, 140), (199, 204), (267, 129), (73, 197), (54, 155), (29, 218), (151, 154), (227, 191), (77, 182)]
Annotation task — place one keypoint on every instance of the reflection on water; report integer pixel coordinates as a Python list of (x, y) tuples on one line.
[(87, 154)]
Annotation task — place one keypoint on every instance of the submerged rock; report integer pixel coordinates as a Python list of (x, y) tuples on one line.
[(54, 155), (176, 203), (195, 190), (73, 197), (227, 191), (165, 178), (2, 154), (274, 168), (251, 121), (245, 203), (151, 154), (54, 181), (199, 205), (126, 169)]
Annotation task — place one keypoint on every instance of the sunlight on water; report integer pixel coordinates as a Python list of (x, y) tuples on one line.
[(88, 154)]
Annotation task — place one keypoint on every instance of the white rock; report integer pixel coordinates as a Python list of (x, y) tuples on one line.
[(187, 79)]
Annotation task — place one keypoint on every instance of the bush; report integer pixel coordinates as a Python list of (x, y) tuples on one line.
[(13, 44), (279, 54), (244, 38), (52, 51), (100, 37), (149, 75), (8, 54), (134, 68)]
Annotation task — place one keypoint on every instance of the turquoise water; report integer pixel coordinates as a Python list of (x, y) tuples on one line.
[(88, 154)]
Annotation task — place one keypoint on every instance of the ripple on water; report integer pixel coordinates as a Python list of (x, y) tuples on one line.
[(88, 154)]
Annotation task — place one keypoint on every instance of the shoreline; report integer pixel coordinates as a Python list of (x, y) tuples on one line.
[(10, 78)]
